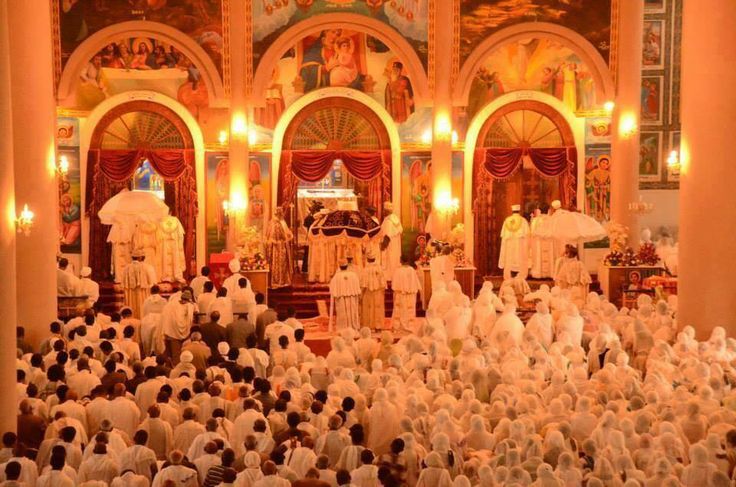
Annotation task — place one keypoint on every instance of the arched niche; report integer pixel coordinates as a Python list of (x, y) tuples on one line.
[(403, 50), (140, 28), (602, 77)]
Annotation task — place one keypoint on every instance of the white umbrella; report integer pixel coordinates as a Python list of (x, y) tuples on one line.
[(571, 226), (132, 205)]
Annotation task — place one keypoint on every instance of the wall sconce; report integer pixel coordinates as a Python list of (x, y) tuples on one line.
[(427, 137), (641, 207), (627, 126), (252, 136), (24, 222), (447, 205), (455, 137), (63, 166), (673, 163), (238, 126), (609, 106), (234, 206), (443, 127), (222, 137)]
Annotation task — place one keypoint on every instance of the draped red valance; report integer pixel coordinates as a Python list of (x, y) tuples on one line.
[(501, 163), (110, 170), (373, 167)]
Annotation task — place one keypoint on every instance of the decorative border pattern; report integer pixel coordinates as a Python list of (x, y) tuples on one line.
[(56, 39), (226, 68), (613, 50), (431, 45), (455, 42), (248, 79)]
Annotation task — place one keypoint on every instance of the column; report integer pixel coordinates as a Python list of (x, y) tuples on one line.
[(8, 314), (707, 288), (625, 123), (442, 110), (239, 123), (34, 123)]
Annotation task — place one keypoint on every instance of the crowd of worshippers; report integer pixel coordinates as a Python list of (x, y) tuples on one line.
[(578, 395)]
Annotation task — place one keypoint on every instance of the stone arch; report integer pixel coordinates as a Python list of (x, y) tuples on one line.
[(183, 42), (602, 76), (292, 111), (399, 45), (96, 118)]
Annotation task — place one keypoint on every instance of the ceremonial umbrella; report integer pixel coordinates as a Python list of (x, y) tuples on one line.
[(345, 222), (133, 206), (571, 226)]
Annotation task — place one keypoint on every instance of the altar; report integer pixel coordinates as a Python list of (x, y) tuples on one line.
[(219, 271), (331, 199)]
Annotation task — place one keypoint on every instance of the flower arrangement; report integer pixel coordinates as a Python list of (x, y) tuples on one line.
[(618, 235), (250, 249), (648, 254)]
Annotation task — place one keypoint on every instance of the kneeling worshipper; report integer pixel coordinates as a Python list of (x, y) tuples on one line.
[(405, 286), (373, 284), (345, 295), (137, 279), (442, 268)]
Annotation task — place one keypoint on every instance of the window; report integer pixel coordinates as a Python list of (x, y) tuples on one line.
[(145, 178)]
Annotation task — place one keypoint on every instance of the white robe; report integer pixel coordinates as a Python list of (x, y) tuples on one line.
[(177, 319), (441, 269), (224, 306), (391, 256), (405, 285), (98, 467), (181, 475), (89, 288), (542, 250), (514, 245), (345, 295), (171, 247), (139, 459), (67, 284)]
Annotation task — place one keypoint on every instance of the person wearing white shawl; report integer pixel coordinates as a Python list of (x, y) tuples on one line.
[(442, 268), (571, 324), (457, 323), (699, 472), (365, 347), (180, 475), (136, 281), (478, 438), (345, 295), (383, 423), (484, 315), (546, 477), (176, 320), (405, 286), (187, 430), (540, 325), (99, 466), (435, 474), (231, 282), (252, 472), (340, 355), (224, 306), (139, 458), (366, 475), (440, 302), (508, 326)]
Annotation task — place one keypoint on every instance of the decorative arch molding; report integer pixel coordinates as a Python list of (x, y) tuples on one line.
[(293, 110), (361, 23), (476, 130), (140, 28), (605, 88), (103, 111)]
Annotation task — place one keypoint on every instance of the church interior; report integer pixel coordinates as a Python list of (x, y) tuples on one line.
[(425, 242)]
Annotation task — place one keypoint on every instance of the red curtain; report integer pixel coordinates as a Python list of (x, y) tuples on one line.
[(502, 163), (109, 171), (373, 167)]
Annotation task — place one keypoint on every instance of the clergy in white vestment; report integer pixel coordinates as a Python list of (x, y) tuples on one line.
[(345, 298), (173, 264), (99, 466), (391, 231), (542, 249), (231, 283), (514, 256), (571, 272), (147, 239), (405, 286), (67, 284), (137, 281), (373, 285), (442, 268), (121, 233), (176, 321), (88, 287), (139, 458)]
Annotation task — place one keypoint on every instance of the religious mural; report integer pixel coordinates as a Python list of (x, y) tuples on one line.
[(339, 58), (217, 191), (272, 17), (481, 18), (199, 19), (70, 193), (416, 200), (259, 189), (660, 92), (534, 64), (141, 63), (598, 182)]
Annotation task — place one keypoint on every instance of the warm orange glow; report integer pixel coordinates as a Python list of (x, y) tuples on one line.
[(609, 106), (236, 204), (445, 203), (24, 222), (427, 137), (454, 137), (442, 126), (63, 165), (627, 125), (238, 125), (222, 137), (252, 136), (684, 156)]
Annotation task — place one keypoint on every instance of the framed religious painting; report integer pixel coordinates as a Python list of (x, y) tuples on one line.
[(650, 156), (652, 99), (653, 51), (655, 6)]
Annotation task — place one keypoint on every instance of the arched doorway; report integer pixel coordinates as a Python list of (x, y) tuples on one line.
[(525, 155), (145, 146)]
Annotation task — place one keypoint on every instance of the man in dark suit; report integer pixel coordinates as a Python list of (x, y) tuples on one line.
[(213, 333)]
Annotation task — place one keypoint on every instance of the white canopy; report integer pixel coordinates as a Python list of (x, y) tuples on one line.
[(571, 226), (133, 205)]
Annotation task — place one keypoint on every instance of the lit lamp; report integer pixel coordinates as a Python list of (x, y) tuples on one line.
[(222, 137), (238, 126), (24, 222), (673, 163), (443, 127), (627, 126), (641, 207), (609, 106), (234, 206), (63, 166)]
